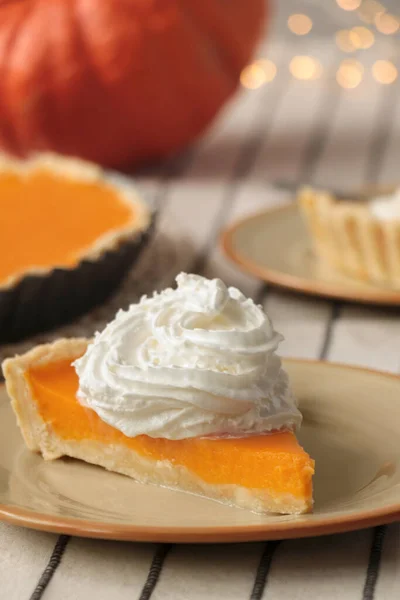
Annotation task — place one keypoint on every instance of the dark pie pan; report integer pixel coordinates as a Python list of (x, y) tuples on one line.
[(40, 302)]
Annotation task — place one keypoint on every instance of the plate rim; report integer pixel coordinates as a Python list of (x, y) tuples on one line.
[(243, 533), (296, 283)]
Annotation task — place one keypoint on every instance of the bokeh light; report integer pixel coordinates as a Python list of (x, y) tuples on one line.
[(349, 40), (349, 4), (343, 40), (384, 71), (300, 24), (268, 67), (386, 23), (349, 74), (257, 73), (369, 10), (361, 37), (305, 67)]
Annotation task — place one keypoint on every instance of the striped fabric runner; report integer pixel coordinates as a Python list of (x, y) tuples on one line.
[(286, 130)]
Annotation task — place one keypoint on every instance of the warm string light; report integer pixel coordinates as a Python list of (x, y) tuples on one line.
[(300, 24), (344, 41), (258, 73), (362, 38), (384, 71), (349, 4), (350, 73), (369, 10), (385, 23), (372, 12), (349, 40), (305, 68)]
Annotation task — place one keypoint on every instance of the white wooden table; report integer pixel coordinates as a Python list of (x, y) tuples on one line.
[(286, 129)]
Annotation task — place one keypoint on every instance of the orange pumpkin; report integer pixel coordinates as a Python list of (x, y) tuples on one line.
[(118, 81)]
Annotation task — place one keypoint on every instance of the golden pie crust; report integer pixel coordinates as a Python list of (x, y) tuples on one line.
[(351, 239)]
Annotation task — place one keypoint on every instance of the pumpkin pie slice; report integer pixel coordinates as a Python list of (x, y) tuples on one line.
[(69, 232), (263, 473), (182, 390), (357, 236)]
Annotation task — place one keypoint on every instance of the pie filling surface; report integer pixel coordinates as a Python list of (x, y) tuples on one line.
[(275, 462), (54, 218)]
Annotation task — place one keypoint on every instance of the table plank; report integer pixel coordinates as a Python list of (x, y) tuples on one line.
[(388, 584), (390, 169), (282, 155), (303, 323), (335, 567), (24, 555), (101, 569), (212, 572), (368, 337)]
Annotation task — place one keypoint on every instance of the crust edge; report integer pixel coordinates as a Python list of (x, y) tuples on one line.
[(83, 171), (351, 239), (34, 430)]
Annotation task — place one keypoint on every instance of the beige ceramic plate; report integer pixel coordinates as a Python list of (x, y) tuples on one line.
[(274, 245), (351, 428)]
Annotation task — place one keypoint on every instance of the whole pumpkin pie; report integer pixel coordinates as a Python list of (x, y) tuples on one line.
[(68, 233), (182, 390)]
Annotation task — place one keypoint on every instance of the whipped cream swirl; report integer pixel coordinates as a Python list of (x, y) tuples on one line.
[(386, 207), (198, 360)]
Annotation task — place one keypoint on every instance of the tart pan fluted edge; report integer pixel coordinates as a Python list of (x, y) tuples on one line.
[(42, 299)]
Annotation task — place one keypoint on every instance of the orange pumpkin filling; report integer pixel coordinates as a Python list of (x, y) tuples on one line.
[(275, 462), (54, 218)]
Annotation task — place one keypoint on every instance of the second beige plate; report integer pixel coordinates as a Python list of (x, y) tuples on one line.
[(351, 428), (275, 246)]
